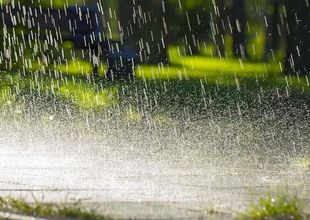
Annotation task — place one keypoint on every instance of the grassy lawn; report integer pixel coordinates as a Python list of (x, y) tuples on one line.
[(238, 73), (48, 210), (188, 80)]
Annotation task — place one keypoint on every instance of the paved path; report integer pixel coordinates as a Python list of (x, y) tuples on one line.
[(127, 180)]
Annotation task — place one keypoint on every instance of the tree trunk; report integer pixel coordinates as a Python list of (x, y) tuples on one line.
[(238, 24), (297, 58), (272, 35), (218, 26)]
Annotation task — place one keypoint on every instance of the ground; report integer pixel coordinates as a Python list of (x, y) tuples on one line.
[(187, 139)]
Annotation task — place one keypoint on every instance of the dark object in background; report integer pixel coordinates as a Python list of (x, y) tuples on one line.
[(84, 26), (120, 62), (238, 23), (297, 58), (143, 24)]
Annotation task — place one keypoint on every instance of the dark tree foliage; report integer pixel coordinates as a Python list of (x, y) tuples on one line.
[(189, 22), (144, 24), (196, 28), (297, 58)]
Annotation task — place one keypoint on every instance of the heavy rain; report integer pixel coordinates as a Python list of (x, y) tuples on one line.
[(155, 109)]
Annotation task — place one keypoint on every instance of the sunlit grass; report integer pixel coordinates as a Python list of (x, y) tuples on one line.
[(180, 73), (165, 72), (234, 73), (86, 97), (224, 71), (6, 95), (79, 67), (226, 67), (75, 67), (230, 71), (222, 66)]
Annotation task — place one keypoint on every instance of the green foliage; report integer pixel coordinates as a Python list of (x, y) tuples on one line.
[(281, 207), (51, 3), (187, 18), (21, 206), (190, 4)]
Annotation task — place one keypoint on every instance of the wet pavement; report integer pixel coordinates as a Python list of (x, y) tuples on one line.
[(127, 178)]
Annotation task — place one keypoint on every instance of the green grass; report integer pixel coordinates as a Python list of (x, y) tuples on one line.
[(6, 95), (188, 81), (233, 72), (281, 207), (85, 96), (37, 209)]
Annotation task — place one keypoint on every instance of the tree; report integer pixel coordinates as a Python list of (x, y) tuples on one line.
[(238, 25), (297, 57), (218, 25), (272, 27)]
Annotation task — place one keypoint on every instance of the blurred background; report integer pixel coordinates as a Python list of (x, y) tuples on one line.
[(200, 46), (264, 31)]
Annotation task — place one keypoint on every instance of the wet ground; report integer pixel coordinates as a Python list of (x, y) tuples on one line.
[(177, 168), (157, 155)]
